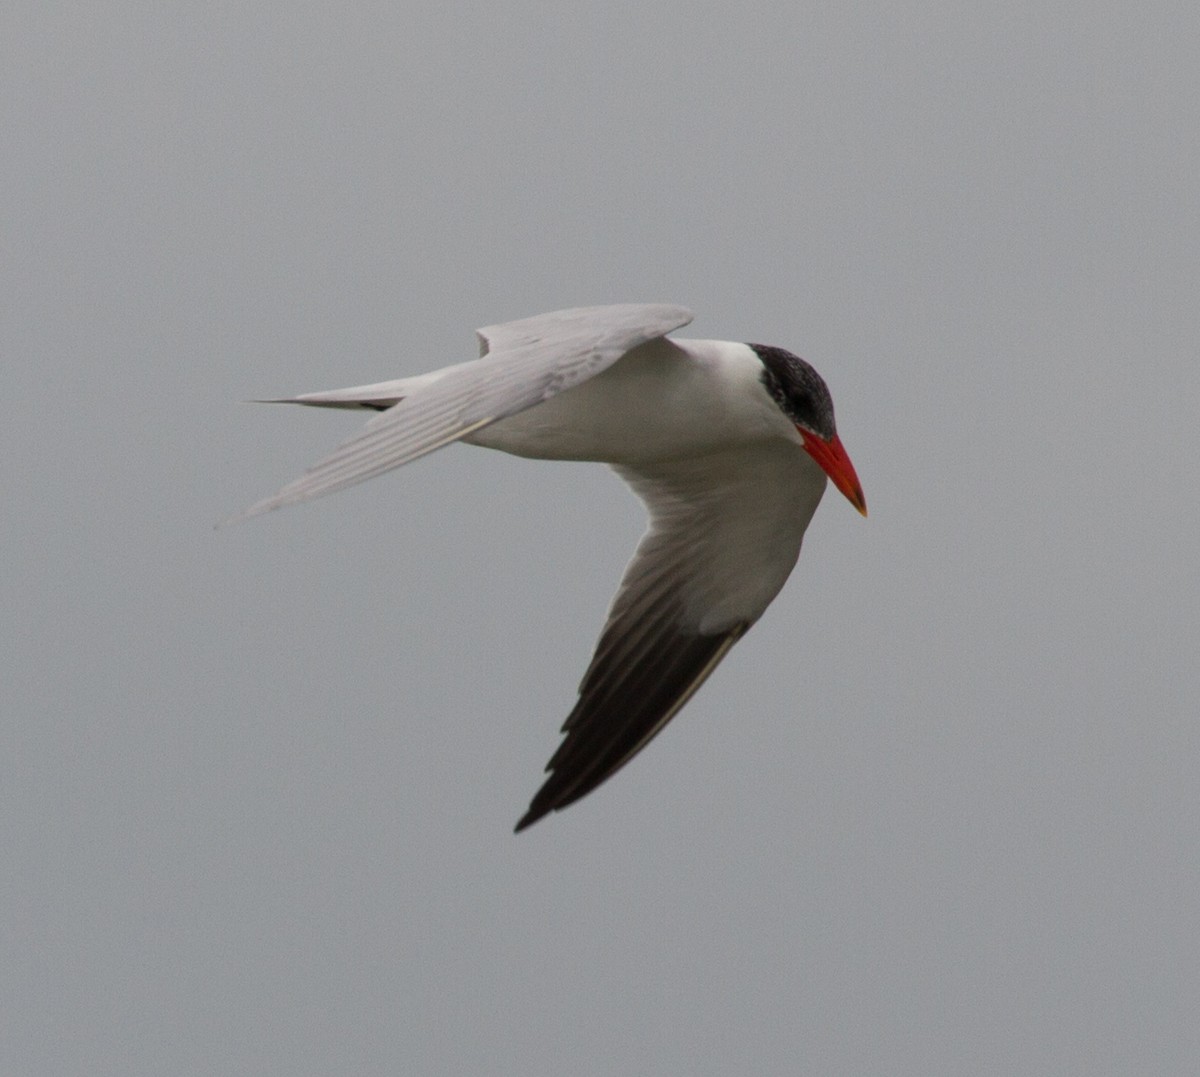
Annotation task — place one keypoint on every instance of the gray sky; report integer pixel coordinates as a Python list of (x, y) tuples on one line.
[(938, 814)]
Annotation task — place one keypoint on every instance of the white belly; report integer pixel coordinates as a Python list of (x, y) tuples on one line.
[(663, 400)]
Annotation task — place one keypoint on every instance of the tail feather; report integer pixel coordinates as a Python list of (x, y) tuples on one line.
[(378, 397)]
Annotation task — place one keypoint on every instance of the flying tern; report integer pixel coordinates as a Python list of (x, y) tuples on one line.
[(728, 445)]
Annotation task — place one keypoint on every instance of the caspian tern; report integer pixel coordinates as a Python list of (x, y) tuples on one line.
[(729, 446)]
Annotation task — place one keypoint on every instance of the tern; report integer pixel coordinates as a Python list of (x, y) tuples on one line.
[(728, 445)]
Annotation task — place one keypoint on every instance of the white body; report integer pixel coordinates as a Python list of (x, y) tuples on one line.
[(663, 400), (710, 456)]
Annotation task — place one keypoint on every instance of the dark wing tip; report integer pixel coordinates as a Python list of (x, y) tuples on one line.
[(615, 719), (530, 817)]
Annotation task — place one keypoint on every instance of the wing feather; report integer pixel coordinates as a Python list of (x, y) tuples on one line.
[(725, 531), (527, 362)]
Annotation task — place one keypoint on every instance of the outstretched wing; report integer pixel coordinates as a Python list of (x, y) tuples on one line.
[(524, 363), (725, 531)]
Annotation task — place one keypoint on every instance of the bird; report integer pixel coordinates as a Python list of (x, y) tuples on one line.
[(729, 445)]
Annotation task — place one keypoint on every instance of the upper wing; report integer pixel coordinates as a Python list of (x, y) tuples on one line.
[(725, 531), (526, 362)]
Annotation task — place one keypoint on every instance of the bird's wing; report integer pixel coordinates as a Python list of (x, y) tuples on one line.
[(525, 362), (725, 531)]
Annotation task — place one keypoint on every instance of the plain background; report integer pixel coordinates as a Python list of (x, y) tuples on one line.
[(938, 814)]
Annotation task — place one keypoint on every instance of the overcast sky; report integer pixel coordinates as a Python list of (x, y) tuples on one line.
[(938, 814)]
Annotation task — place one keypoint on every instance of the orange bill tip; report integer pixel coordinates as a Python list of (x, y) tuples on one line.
[(835, 462)]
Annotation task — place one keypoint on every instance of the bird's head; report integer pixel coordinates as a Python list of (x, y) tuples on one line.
[(803, 396)]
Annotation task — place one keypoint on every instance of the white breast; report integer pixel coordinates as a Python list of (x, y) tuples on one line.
[(665, 399)]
